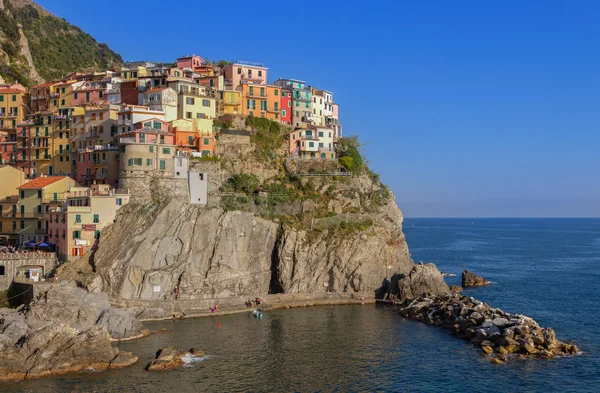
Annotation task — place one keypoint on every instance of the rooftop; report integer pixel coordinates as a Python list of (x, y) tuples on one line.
[(41, 182)]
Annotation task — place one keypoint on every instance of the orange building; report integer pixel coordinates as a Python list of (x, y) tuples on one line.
[(190, 141), (261, 100)]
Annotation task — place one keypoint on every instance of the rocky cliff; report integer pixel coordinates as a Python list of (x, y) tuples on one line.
[(276, 232), (64, 329)]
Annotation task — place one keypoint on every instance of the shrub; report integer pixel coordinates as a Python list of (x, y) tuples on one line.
[(224, 121), (244, 182)]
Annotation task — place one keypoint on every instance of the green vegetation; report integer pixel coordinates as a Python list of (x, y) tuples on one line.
[(267, 138), (244, 182), (349, 154), (205, 158), (57, 47)]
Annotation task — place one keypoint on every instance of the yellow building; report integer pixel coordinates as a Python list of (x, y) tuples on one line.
[(35, 199), (11, 179), (200, 126), (76, 224), (13, 107), (61, 95), (230, 102)]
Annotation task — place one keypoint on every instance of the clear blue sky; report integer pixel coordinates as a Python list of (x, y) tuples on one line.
[(467, 108)]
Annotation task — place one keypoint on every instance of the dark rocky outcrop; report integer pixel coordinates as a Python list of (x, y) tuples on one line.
[(169, 358), (422, 279), (469, 279), (501, 335), (64, 330)]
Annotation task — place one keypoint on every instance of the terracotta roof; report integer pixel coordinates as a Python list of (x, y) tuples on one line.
[(43, 85), (41, 182), (14, 91)]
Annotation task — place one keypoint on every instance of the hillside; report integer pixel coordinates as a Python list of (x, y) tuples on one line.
[(269, 227), (36, 46)]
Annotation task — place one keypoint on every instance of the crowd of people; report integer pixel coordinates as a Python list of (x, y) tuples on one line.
[(12, 252)]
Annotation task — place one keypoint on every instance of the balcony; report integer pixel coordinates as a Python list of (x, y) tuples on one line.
[(229, 103), (274, 110), (127, 140), (256, 95), (17, 214), (310, 137), (54, 95), (301, 99), (54, 199)]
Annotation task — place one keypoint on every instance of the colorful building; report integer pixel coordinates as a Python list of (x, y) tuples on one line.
[(230, 102), (242, 71), (286, 106), (11, 179), (301, 99), (35, 199), (75, 224), (14, 107), (128, 115), (161, 99), (261, 100), (312, 143), (40, 96), (146, 150)]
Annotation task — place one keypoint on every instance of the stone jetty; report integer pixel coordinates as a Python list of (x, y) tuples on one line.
[(502, 336)]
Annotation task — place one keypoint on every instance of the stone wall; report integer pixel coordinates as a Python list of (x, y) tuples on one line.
[(153, 186), (11, 262)]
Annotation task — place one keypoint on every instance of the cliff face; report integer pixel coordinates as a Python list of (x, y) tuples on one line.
[(36, 45), (211, 252), (267, 228)]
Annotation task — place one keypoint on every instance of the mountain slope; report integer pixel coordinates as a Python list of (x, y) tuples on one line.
[(36, 45)]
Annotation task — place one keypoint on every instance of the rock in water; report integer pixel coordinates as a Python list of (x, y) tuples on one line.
[(169, 358), (60, 332), (422, 279), (469, 279), (455, 288)]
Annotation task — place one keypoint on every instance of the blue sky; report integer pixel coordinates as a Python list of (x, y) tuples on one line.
[(466, 108)]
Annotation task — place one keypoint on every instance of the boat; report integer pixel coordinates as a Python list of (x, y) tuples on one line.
[(257, 314)]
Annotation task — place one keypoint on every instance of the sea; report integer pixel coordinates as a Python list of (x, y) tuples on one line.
[(548, 269)]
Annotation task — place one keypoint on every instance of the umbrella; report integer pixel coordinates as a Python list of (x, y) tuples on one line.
[(29, 244), (42, 244)]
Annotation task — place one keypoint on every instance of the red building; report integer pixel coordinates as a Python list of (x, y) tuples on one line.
[(129, 92), (286, 107), (8, 144)]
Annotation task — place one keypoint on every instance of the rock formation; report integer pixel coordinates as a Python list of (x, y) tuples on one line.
[(65, 329), (422, 279), (469, 279), (169, 358), (502, 336)]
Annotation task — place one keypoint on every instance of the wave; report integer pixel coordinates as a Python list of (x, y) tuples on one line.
[(190, 359)]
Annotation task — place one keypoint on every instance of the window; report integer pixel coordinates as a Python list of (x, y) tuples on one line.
[(166, 150), (206, 103), (297, 103), (200, 115), (138, 161), (75, 96), (76, 234), (259, 73), (320, 145), (289, 104), (130, 162), (151, 149), (148, 161), (320, 134), (276, 92), (189, 100), (101, 115), (190, 140), (62, 102), (311, 144), (239, 70), (262, 91), (162, 164), (157, 125), (119, 201), (77, 218), (1, 98), (188, 115), (96, 218), (283, 113), (39, 193)]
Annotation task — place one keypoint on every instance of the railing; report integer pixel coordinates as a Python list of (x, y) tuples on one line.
[(256, 95), (55, 198), (22, 215), (127, 140), (27, 254), (300, 98), (310, 137)]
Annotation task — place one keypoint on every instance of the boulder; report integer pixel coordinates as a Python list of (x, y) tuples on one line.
[(455, 288), (469, 279), (168, 358), (422, 279), (487, 349), (64, 329)]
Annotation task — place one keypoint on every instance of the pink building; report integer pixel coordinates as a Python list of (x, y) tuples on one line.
[(154, 123), (89, 92), (243, 71), (192, 62)]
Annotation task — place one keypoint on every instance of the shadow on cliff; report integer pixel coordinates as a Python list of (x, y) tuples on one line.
[(388, 287)]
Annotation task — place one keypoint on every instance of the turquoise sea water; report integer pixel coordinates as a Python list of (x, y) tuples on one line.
[(547, 269)]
